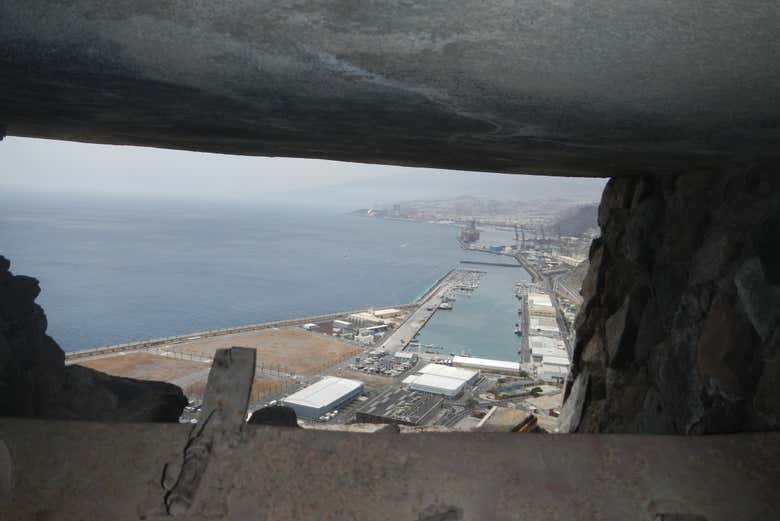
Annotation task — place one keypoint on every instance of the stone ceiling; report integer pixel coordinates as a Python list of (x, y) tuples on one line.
[(552, 87)]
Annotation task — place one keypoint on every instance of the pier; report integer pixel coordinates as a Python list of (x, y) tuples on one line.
[(428, 306)]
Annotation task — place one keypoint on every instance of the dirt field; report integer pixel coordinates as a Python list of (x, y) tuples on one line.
[(260, 388), (289, 350), (146, 366), (373, 382)]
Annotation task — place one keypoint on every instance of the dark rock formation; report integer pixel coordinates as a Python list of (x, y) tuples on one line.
[(277, 415), (91, 395), (679, 331), (577, 221), (35, 383)]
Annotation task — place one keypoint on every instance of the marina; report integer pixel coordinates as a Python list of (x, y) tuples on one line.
[(482, 320)]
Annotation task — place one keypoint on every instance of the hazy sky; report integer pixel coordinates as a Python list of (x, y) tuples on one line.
[(34, 165)]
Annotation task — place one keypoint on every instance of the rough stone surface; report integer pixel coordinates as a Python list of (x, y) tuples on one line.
[(571, 412), (87, 394), (6, 474), (598, 88), (277, 415), (679, 330), (35, 383)]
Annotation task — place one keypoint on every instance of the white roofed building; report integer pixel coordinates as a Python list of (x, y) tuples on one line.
[(537, 342), (543, 324), (485, 364), (539, 299), (387, 313), (323, 396), (552, 373), (563, 361), (441, 379), (539, 355), (540, 304), (458, 373), (435, 384)]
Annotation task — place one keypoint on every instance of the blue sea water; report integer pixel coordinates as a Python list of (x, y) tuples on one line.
[(483, 323), (116, 270)]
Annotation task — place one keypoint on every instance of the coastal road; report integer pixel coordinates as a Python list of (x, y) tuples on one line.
[(558, 285)]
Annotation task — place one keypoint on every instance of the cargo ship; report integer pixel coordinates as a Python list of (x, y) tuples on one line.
[(470, 233)]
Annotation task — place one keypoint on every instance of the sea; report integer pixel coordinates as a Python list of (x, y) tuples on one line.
[(115, 270)]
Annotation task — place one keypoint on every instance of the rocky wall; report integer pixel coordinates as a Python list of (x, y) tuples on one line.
[(678, 332), (36, 383)]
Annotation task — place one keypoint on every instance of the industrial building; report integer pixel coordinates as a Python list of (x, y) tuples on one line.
[(485, 364), (400, 407), (363, 319), (539, 299), (563, 361), (373, 330), (543, 324), (539, 355), (538, 342), (552, 373), (550, 358), (447, 371), (387, 313), (323, 396), (441, 379), (342, 324), (435, 384), (405, 356), (540, 304)]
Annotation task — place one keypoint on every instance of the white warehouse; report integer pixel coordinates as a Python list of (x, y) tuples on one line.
[(323, 396), (541, 354), (435, 384), (441, 379), (537, 342), (552, 373), (485, 364), (543, 324), (458, 373)]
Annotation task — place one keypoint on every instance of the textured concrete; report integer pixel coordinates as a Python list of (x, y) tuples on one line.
[(295, 474), (556, 87)]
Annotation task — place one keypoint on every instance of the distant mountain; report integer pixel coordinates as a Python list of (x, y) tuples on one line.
[(425, 184), (576, 222)]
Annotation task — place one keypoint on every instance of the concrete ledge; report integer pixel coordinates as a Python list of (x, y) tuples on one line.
[(70, 470)]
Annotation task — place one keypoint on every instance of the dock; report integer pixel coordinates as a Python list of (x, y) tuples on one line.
[(401, 337)]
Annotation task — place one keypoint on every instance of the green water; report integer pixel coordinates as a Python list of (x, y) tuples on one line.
[(482, 324)]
